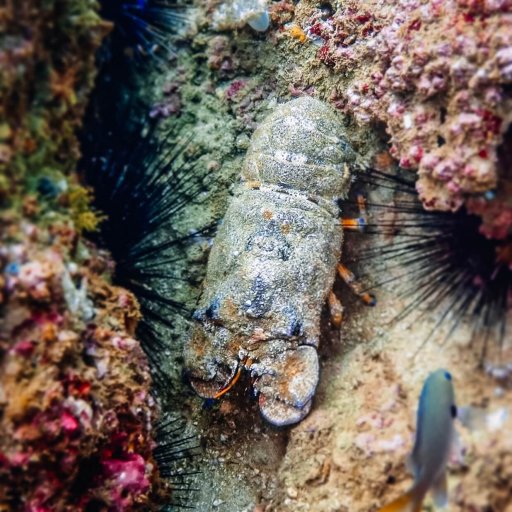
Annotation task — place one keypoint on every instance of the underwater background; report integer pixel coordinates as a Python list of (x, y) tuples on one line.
[(123, 130)]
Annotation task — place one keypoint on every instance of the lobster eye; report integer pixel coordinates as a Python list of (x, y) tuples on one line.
[(448, 375), (453, 410)]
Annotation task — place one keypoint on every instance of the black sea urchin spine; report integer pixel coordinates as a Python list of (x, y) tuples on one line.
[(440, 263), (142, 180), (173, 447), (143, 175), (145, 26), (142, 183)]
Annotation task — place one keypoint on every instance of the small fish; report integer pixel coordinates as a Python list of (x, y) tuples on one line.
[(435, 432)]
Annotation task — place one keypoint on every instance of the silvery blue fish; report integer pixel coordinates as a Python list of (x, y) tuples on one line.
[(435, 432)]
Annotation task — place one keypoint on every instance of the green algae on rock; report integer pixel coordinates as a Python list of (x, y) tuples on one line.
[(47, 53)]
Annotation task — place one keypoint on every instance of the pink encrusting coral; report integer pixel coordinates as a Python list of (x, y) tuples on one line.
[(437, 73), (76, 412)]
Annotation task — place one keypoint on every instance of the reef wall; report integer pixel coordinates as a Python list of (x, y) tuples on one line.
[(76, 410)]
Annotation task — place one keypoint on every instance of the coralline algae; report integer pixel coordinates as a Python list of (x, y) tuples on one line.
[(76, 414), (437, 75), (75, 385)]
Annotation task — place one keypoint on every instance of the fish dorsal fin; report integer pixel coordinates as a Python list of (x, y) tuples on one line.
[(439, 491)]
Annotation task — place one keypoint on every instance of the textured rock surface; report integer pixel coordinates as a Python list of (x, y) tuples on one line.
[(76, 413), (349, 454), (76, 409), (437, 74), (47, 54)]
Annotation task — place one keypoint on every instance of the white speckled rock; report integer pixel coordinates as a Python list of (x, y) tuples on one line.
[(232, 14)]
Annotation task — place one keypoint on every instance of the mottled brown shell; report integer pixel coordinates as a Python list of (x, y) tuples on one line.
[(273, 263)]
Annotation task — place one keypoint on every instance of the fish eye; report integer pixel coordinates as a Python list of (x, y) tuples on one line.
[(453, 410), (448, 375)]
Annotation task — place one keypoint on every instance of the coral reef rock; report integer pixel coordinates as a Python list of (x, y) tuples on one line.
[(438, 75), (76, 411)]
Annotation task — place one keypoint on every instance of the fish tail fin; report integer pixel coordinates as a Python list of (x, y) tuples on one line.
[(409, 502)]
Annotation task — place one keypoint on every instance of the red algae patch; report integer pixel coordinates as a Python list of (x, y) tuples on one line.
[(76, 411)]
